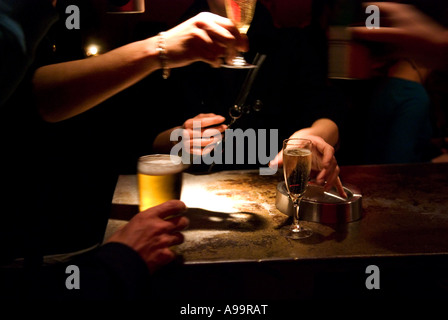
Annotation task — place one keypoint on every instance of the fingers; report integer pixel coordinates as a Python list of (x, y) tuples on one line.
[(166, 209), (224, 31), (340, 188), (326, 154), (159, 258), (277, 161), (177, 224), (205, 119), (206, 37), (221, 30), (212, 120), (204, 133), (329, 179), (203, 141), (167, 240), (206, 48), (325, 161)]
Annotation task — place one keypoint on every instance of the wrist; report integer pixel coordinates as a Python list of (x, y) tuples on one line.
[(155, 53), (302, 133), (162, 54), (150, 56)]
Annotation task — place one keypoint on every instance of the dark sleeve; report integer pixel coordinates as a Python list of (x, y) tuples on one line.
[(23, 23), (113, 271)]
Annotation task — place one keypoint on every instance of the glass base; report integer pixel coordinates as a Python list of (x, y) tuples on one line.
[(239, 63), (297, 232)]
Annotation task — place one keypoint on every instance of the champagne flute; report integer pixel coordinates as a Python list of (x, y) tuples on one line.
[(296, 169), (241, 12)]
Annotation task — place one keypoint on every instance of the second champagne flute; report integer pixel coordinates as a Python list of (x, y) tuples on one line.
[(241, 12), (296, 169)]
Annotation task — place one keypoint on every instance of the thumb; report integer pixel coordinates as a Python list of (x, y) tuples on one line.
[(277, 161)]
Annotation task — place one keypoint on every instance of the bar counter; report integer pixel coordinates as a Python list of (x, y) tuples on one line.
[(235, 231)]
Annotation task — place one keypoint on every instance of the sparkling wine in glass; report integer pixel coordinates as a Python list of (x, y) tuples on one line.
[(296, 168), (241, 12)]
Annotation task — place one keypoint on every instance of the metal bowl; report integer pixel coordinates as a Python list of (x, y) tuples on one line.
[(323, 207)]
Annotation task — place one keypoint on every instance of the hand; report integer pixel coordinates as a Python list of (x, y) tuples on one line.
[(206, 37), (323, 161), (415, 34), (152, 232), (203, 142)]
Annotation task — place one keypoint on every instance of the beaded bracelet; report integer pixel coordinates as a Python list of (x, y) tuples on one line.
[(161, 49)]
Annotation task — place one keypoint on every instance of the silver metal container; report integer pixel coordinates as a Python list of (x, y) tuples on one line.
[(322, 207)]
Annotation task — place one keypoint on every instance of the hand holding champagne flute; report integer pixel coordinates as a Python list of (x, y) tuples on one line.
[(241, 12), (296, 168)]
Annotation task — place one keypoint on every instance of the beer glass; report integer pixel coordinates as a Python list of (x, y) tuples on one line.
[(159, 179)]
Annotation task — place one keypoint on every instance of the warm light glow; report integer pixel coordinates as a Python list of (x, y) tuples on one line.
[(196, 196), (92, 50)]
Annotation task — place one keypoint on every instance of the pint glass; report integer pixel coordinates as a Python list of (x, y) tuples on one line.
[(159, 179)]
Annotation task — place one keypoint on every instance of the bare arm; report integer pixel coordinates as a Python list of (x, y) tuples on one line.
[(324, 128), (68, 89), (413, 33), (324, 134)]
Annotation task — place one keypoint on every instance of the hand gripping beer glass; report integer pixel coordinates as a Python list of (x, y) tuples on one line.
[(159, 179), (296, 169), (241, 12)]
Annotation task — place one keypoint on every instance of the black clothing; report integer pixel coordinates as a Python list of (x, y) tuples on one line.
[(112, 271), (291, 84), (58, 181)]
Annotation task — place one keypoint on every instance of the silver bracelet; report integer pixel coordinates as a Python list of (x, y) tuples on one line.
[(161, 49)]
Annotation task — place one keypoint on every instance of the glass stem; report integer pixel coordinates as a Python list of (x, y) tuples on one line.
[(296, 212)]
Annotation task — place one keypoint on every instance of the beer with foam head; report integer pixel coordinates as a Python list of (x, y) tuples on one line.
[(159, 179)]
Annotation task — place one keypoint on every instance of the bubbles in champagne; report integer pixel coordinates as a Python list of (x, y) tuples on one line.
[(241, 12), (297, 168)]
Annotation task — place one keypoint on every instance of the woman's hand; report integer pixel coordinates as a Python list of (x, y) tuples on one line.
[(200, 132), (206, 37), (323, 162)]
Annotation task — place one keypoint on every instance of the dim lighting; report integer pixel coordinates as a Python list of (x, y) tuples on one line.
[(126, 6), (92, 50)]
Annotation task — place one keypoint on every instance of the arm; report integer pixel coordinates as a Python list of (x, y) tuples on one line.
[(68, 89), (324, 134), (415, 34), (121, 268), (324, 128)]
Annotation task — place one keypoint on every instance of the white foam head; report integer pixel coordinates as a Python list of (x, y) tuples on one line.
[(159, 164)]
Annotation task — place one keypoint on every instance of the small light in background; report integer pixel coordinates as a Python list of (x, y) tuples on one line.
[(92, 50)]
